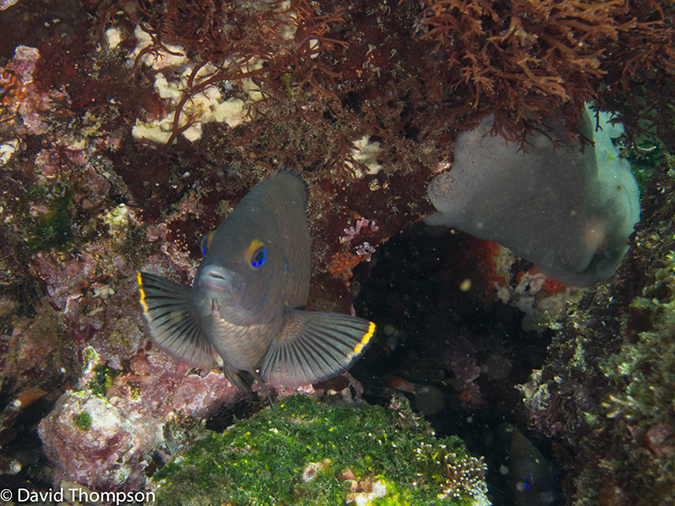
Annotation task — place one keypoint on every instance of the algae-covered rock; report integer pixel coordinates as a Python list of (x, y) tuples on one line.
[(607, 389), (304, 452)]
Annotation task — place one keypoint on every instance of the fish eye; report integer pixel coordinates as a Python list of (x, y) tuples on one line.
[(206, 242), (259, 257)]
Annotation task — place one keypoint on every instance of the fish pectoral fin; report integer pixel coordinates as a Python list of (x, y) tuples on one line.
[(315, 346), (175, 327)]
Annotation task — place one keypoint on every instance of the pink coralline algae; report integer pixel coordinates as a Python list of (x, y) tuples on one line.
[(65, 281), (365, 250), (363, 228), (165, 387), (30, 102), (125, 427), (24, 63), (112, 451)]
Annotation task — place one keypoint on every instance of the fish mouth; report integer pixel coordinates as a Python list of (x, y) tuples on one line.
[(218, 284)]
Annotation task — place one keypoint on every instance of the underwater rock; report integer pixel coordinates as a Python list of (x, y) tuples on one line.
[(606, 389), (103, 436), (569, 209), (304, 452), (98, 445)]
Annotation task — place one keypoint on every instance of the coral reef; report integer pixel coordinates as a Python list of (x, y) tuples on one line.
[(303, 452)]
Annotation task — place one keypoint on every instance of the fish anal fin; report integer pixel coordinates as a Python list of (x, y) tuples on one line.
[(175, 328), (315, 346), (241, 379), (244, 380)]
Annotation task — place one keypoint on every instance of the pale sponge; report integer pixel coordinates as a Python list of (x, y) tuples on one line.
[(569, 210)]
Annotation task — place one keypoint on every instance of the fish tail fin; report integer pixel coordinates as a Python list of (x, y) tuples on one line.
[(174, 326), (315, 346)]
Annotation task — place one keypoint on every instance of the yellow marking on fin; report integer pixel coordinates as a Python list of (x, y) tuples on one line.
[(364, 341), (140, 289)]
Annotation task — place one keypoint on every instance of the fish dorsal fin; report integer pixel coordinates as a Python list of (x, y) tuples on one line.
[(315, 346), (289, 171), (175, 328)]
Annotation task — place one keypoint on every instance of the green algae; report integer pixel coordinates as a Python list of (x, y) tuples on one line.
[(53, 229), (103, 379), (83, 421), (302, 452)]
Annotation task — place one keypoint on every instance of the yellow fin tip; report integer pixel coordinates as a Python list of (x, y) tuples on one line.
[(139, 278), (364, 341)]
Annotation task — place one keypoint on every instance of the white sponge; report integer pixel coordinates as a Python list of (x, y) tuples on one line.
[(569, 210)]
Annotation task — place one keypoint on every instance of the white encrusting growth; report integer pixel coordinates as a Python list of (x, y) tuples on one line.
[(212, 104)]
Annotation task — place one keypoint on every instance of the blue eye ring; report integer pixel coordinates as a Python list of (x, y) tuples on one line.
[(259, 257)]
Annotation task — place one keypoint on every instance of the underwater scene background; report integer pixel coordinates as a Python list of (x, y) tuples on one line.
[(131, 129)]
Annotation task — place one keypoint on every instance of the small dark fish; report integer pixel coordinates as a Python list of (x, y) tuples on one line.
[(246, 294), (532, 477)]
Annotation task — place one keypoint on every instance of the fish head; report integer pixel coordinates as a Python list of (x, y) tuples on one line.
[(257, 260), (241, 280)]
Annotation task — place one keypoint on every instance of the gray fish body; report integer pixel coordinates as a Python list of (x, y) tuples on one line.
[(243, 302), (242, 322)]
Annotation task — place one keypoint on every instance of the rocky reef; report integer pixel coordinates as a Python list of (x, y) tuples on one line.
[(606, 388), (129, 129), (303, 452)]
